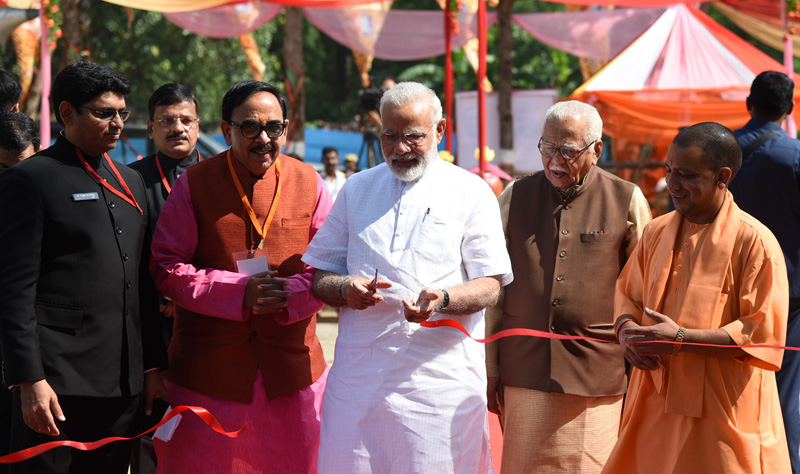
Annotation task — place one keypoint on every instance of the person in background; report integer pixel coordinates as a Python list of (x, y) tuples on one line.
[(10, 90), (350, 164), (710, 274), (768, 188), (333, 177), (19, 140), (173, 124)]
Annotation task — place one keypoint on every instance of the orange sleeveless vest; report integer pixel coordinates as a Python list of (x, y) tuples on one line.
[(220, 357)]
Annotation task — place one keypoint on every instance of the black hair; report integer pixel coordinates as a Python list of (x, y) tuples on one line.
[(240, 92), (716, 142), (329, 149), (19, 131), (10, 90), (771, 95), (81, 82), (170, 94)]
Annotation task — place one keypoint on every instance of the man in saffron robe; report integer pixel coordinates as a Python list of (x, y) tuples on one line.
[(706, 273), (244, 344)]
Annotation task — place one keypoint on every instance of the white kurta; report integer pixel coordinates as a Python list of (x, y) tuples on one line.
[(401, 398)]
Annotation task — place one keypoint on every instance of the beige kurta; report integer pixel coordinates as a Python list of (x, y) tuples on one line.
[(702, 413)]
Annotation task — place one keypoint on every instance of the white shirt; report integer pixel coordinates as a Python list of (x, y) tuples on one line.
[(334, 185), (401, 398)]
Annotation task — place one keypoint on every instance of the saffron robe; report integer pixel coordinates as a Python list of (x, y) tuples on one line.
[(701, 413)]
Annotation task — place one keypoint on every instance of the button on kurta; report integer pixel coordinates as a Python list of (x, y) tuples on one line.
[(125, 257), (553, 327), (556, 302), (128, 284), (565, 232), (559, 278), (111, 204), (562, 254), (119, 230)]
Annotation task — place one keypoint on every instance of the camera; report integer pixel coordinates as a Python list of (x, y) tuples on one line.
[(370, 98)]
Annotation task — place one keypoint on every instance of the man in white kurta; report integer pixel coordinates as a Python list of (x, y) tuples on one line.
[(402, 398)]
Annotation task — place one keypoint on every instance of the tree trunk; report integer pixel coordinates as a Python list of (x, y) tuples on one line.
[(293, 55), (504, 85), (75, 25)]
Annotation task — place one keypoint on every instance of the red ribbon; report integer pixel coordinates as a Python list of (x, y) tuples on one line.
[(204, 415), (549, 335)]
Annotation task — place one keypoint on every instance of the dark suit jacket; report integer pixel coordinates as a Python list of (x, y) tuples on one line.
[(69, 273), (156, 192)]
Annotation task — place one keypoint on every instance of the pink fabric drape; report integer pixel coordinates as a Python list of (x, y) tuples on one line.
[(694, 59), (594, 34), (227, 21), (395, 35)]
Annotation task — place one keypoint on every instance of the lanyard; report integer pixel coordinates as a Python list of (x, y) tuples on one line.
[(246, 202), (164, 177), (127, 197)]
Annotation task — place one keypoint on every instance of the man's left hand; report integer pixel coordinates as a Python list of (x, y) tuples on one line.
[(665, 329), (153, 388), (426, 304)]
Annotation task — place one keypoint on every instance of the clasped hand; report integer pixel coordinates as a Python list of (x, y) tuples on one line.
[(265, 294), (633, 339)]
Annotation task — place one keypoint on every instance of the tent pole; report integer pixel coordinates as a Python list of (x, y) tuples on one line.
[(481, 81), (44, 75), (448, 75)]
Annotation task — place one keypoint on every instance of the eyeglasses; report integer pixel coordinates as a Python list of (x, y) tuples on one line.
[(568, 152), (412, 139), (170, 122), (109, 114), (251, 129)]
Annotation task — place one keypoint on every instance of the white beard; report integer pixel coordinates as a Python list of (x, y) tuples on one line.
[(412, 173)]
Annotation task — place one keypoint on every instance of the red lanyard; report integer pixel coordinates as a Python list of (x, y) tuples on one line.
[(253, 218), (164, 177), (127, 197)]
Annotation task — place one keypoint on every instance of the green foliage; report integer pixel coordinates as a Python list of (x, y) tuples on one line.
[(152, 51)]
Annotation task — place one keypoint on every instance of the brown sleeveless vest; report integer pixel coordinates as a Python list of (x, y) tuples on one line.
[(566, 256), (220, 357)]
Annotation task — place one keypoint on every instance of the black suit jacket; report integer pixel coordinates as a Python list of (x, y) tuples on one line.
[(69, 274)]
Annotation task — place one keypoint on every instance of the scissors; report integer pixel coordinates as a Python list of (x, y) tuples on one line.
[(373, 285)]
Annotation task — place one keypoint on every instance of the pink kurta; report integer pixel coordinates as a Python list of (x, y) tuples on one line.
[(702, 413), (287, 424)]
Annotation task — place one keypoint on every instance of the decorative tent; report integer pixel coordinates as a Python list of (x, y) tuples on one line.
[(684, 69)]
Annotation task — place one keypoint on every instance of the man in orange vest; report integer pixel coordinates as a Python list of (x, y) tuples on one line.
[(227, 251)]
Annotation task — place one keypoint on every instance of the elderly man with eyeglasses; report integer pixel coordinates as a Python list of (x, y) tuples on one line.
[(75, 338), (227, 251), (412, 239), (569, 230)]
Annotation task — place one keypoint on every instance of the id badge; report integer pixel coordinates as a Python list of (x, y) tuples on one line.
[(250, 262)]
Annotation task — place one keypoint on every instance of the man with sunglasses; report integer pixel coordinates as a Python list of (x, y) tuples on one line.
[(227, 251), (569, 230), (71, 326), (173, 125)]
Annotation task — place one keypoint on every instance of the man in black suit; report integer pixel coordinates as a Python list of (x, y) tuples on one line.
[(73, 233), (173, 125)]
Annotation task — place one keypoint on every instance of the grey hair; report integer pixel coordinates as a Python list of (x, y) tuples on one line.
[(563, 111), (406, 92)]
